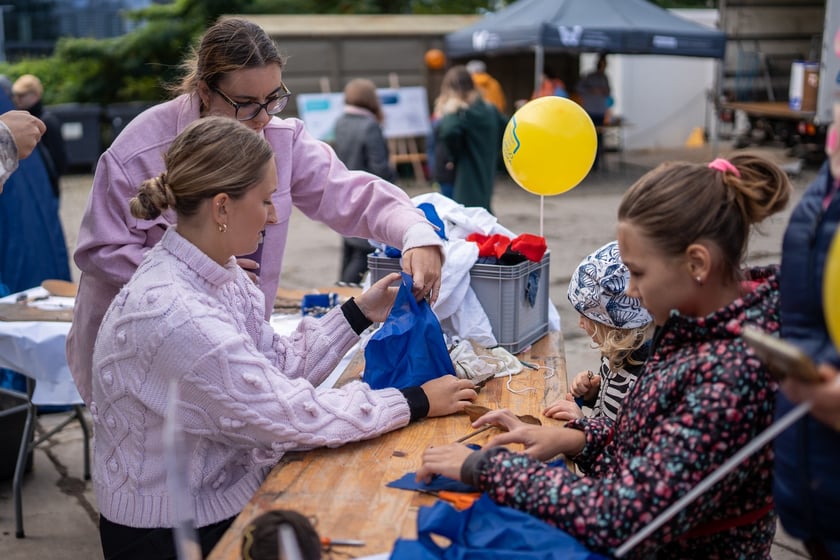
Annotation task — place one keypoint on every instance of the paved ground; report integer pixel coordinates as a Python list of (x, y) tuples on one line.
[(59, 507)]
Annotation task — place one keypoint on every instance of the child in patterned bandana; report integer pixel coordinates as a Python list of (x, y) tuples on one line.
[(619, 327), (683, 230)]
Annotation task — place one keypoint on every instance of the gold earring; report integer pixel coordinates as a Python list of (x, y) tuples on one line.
[(222, 228), (699, 280)]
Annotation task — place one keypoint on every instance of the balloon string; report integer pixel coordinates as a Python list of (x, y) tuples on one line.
[(542, 208)]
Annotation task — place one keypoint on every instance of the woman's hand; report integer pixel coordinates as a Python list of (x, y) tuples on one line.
[(448, 395), (377, 301), (541, 442), (445, 460), (825, 395), (250, 267), (566, 409), (424, 264), (586, 385)]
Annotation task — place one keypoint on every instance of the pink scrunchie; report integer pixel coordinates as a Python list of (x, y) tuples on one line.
[(724, 165)]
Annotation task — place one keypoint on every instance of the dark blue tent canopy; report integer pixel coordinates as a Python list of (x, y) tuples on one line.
[(614, 26)]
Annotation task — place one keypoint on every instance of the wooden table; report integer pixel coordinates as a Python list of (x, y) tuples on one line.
[(344, 490)]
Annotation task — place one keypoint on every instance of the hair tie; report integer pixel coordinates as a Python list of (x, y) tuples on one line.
[(724, 165)]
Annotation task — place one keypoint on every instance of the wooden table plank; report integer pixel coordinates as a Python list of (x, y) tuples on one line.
[(343, 489)]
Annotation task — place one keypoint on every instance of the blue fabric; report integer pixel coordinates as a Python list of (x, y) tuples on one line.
[(432, 215), (32, 245), (806, 486), (488, 531), (408, 349), (408, 481)]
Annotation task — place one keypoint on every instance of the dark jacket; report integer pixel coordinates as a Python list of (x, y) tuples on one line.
[(51, 146), (807, 483), (473, 137), (698, 401), (360, 144)]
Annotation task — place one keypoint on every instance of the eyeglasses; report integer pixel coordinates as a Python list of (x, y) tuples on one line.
[(249, 110)]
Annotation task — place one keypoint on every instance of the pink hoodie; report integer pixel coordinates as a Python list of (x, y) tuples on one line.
[(112, 242)]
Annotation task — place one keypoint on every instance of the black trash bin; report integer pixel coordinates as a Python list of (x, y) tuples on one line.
[(81, 130), (13, 408), (119, 115)]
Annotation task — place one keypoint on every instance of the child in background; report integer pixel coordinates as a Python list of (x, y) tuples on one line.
[(683, 230), (619, 327)]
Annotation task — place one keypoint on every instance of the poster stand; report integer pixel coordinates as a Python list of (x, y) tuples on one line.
[(404, 149)]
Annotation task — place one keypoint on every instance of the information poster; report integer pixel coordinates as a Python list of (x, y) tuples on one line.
[(406, 112)]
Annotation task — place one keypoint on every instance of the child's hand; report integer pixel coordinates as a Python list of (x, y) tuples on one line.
[(564, 410), (586, 385)]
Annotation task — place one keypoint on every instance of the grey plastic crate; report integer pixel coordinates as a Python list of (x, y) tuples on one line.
[(504, 294)]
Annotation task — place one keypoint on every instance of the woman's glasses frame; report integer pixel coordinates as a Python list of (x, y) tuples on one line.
[(252, 108)]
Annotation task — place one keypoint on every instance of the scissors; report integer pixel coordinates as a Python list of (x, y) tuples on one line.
[(460, 500)]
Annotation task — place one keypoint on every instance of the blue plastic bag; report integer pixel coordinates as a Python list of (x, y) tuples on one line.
[(488, 531), (408, 349)]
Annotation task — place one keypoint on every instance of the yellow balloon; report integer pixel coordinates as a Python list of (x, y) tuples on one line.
[(831, 290), (549, 145)]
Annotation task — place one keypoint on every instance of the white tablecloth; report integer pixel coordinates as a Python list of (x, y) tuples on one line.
[(36, 349)]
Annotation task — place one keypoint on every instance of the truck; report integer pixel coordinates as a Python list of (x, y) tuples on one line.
[(766, 41)]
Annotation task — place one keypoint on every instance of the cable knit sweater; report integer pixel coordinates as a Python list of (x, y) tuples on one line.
[(247, 395)]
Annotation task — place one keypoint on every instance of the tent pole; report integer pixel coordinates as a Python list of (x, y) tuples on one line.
[(539, 62)]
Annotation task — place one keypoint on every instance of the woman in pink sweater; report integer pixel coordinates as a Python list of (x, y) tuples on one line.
[(190, 315), (236, 73)]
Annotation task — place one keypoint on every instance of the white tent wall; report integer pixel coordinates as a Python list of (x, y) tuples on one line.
[(662, 98)]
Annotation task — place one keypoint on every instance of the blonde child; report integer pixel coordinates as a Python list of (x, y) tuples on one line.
[(619, 327)]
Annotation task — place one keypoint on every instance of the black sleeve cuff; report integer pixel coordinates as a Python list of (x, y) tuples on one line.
[(418, 402), (475, 463), (358, 321)]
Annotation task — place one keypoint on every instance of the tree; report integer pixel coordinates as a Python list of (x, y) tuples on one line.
[(133, 67)]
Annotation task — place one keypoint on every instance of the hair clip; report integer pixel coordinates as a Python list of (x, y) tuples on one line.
[(724, 165)]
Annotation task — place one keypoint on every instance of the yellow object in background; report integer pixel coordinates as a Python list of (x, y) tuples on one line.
[(697, 139), (831, 290), (549, 145)]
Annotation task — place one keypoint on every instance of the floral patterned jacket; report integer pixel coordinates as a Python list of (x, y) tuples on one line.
[(702, 396)]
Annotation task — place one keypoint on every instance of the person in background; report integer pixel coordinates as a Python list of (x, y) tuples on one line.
[(360, 144), (594, 92), (237, 72), (488, 86), (471, 129), (550, 84), (28, 93), (20, 133), (191, 317), (701, 397), (807, 454), (619, 327)]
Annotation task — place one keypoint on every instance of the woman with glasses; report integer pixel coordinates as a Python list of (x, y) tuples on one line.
[(235, 72)]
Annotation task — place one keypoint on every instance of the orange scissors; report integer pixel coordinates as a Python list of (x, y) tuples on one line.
[(459, 500)]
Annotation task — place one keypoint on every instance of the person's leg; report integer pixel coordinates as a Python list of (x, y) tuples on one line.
[(120, 542), (447, 190), (598, 121)]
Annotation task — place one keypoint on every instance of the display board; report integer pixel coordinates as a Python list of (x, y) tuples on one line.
[(406, 112)]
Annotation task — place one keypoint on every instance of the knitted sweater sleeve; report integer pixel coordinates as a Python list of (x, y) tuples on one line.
[(230, 391), (270, 402)]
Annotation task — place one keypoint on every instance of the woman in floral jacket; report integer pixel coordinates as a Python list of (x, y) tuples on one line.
[(682, 233)]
